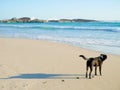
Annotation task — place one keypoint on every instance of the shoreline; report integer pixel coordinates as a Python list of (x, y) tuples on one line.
[(86, 35), (36, 64), (84, 48)]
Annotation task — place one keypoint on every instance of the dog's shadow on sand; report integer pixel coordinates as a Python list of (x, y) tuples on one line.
[(47, 76)]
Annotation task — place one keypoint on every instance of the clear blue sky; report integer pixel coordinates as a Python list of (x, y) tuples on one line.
[(57, 9)]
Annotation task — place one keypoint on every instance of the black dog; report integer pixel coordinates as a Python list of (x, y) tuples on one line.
[(96, 61)]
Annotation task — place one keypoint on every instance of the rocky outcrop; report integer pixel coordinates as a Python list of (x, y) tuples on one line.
[(38, 21), (53, 20), (72, 20), (28, 20), (65, 20), (83, 20), (24, 19)]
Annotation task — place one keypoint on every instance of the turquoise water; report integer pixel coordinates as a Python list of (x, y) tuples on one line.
[(98, 36)]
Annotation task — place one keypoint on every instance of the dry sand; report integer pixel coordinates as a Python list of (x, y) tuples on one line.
[(40, 65)]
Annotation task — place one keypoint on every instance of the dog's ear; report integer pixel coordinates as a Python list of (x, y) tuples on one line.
[(102, 54)]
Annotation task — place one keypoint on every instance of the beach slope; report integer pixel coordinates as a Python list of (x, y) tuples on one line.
[(40, 65)]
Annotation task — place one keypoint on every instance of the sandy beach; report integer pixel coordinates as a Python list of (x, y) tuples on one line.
[(39, 65)]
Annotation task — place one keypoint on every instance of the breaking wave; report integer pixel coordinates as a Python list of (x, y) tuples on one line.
[(55, 27), (96, 36)]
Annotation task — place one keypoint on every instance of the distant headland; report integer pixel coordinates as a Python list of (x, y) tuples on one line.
[(29, 20)]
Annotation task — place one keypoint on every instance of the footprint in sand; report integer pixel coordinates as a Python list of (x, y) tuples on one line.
[(25, 85), (63, 80), (44, 82), (77, 77), (2, 86)]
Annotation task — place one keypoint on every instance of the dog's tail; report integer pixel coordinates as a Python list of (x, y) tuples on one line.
[(83, 57)]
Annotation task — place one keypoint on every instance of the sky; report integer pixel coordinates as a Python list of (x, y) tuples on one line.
[(59, 9)]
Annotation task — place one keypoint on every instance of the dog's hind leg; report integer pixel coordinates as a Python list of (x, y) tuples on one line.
[(95, 69), (86, 71), (91, 68)]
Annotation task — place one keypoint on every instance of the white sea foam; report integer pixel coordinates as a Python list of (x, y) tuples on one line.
[(104, 38), (110, 43), (110, 46)]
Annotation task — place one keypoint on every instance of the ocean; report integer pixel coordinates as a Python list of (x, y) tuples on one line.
[(98, 36)]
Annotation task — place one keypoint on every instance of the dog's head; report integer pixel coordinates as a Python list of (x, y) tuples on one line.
[(103, 57)]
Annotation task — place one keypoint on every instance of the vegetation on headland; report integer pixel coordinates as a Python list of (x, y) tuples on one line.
[(29, 20)]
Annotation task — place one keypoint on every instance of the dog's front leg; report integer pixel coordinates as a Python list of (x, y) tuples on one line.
[(96, 70), (100, 70)]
